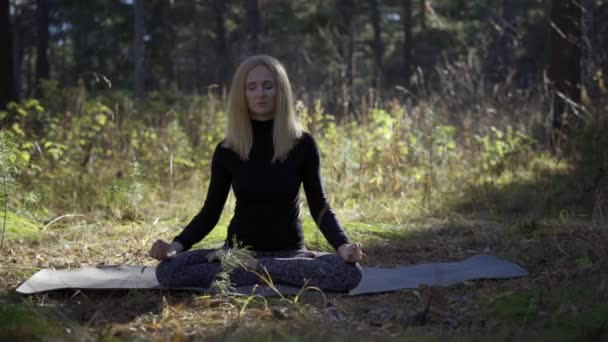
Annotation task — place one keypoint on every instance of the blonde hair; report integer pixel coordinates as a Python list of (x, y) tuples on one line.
[(239, 133)]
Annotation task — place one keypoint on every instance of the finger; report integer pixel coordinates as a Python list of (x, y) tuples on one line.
[(354, 252), (360, 247), (357, 253), (163, 253), (353, 256), (350, 254), (359, 256)]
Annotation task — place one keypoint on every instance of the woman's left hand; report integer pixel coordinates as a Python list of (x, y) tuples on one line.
[(352, 253)]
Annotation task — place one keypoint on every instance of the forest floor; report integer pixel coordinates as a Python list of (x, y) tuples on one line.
[(565, 297)]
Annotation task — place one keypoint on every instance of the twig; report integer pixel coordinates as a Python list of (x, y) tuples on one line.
[(560, 158), (59, 218)]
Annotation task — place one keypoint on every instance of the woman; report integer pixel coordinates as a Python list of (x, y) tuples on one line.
[(265, 156)]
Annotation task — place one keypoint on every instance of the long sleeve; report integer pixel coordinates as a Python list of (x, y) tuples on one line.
[(317, 200), (207, 218)]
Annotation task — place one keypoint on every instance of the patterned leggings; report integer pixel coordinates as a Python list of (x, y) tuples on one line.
[(327, 271)]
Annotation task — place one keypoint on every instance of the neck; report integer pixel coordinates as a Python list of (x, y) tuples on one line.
[(261, 117)]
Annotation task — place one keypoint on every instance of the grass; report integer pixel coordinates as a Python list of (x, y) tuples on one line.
[(429, 205), (22, 321), (563, 299), (20, 227)]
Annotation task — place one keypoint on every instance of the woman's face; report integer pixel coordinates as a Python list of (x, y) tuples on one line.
[(260, 91)]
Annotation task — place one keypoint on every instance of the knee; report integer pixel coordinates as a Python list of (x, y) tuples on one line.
[(354, 275), (347, 275), (164, 272)]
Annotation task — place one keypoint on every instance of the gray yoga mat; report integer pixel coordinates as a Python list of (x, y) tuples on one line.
[(374, 280)]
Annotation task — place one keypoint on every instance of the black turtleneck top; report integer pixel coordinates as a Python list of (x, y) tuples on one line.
[(267, 212)]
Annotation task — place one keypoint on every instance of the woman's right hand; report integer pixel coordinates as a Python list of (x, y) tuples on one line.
[(353, 253), (162, 250)]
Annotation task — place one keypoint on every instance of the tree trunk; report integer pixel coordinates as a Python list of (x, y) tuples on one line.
[(200, 79), (423, 9), (506, 46), (20, 59), (7, 83), (253, 25), (168, 43), (138, 49), (408, 43), (565, 53), (42, 43), (589, 64), (224, 58), (377, 44), (346, 45), (501, 56)]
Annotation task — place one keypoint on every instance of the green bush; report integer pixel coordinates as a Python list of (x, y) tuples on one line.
[(116, 156)]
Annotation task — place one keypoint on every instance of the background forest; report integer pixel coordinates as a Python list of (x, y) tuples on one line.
[(446, 128)]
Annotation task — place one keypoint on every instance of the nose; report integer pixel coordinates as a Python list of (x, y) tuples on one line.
[(263, 91), (259, 91)]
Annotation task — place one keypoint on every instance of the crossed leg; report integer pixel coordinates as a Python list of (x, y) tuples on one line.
[(327, 271)]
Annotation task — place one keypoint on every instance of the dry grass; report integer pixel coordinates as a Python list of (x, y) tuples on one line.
[(559, 255), (529, 218)]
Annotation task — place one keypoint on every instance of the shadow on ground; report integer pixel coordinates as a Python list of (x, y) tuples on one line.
[(543, 223)]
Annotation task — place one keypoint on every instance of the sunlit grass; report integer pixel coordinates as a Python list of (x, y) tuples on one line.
[(20, 227), (407, 182)]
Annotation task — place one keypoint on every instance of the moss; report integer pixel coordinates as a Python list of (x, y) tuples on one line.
[(571, 313), (357, 231), (19, 227), (514, 306), (22, 322)]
